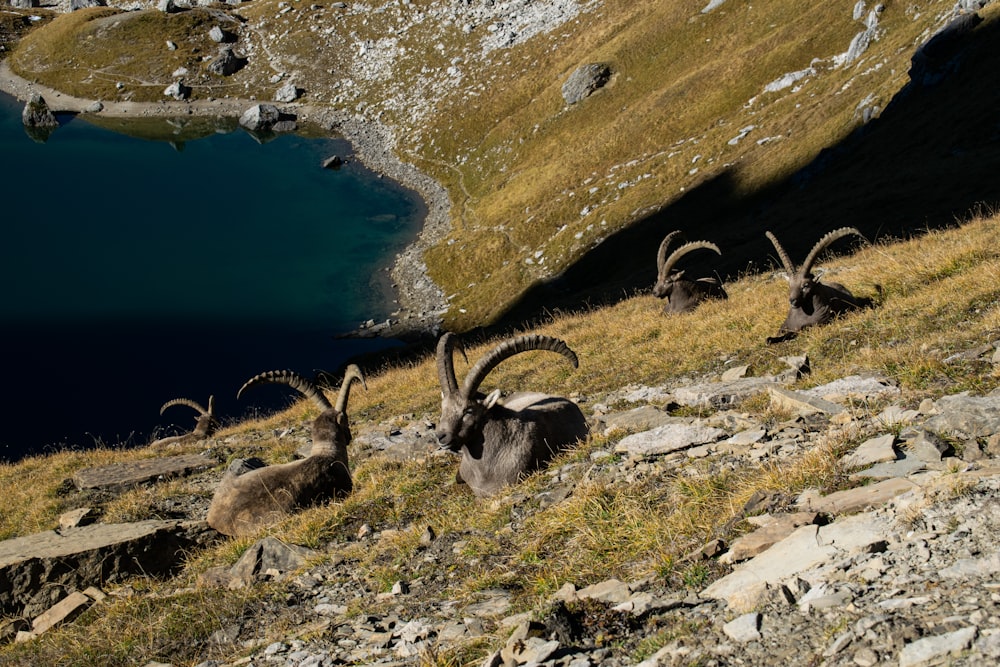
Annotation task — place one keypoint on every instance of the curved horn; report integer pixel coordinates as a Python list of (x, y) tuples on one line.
[(350, 375), (683, 250), (211, 406), (188, 402), (446, 363), (293, 380), (661, 254), (785, 259), (509, 348), (821, 245)]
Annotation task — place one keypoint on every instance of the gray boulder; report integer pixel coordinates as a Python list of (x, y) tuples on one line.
[(585, 81), (220, 36), (177, 90), (287, 93), (226, 63), (23, 4), (36, 113), (260, 117)]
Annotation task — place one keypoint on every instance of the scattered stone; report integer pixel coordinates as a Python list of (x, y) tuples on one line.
[(870, 452), (923, 651), (177, 90), (220, 36), (287, 93), (743, 629), (332, 162), (81, 516)]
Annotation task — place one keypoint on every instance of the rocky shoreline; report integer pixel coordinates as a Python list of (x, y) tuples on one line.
[(421, 302)]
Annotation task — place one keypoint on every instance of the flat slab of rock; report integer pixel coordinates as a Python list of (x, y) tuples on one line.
[(93, 555), (780, 527), (966, 416), (801, 402), (809, 546), (667, 439), (854, 388), (140, 472), (721, 394), (852, 500), (639, 419)]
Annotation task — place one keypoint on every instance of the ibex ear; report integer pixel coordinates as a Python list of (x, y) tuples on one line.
[(784, 275), (678, 274), (492, 399)]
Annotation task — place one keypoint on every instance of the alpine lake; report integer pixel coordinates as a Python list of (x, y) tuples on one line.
[(149, 260)]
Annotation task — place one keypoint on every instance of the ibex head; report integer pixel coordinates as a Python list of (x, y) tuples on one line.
[(667, 277), (463, 409), (207, 423), (331, 430), (802, 282)]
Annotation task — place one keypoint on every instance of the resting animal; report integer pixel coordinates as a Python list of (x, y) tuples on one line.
[(812, 302), (205, 427), (502, 439), (248, 499), (683, 294)]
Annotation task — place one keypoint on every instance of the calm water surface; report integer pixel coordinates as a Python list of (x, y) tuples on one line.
[(135, 271)]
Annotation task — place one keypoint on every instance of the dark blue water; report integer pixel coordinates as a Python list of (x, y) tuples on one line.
[(135, 271)]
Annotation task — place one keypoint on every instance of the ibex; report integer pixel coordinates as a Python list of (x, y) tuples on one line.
[(205, 427), (810, 301), (501, 440), (265, 495), (683, 294)]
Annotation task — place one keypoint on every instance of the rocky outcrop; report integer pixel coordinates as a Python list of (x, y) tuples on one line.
[(36, 113), (37, 567)]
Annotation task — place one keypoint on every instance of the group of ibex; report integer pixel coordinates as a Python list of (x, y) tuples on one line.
[(810, 302), (499, 439)]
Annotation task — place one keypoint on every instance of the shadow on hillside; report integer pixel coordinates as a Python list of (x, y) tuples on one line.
[(928, 161)]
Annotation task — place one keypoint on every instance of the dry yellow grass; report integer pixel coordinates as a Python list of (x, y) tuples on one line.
[(940, 298)]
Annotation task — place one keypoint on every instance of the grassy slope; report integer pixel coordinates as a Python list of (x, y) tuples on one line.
[(520, 166), (676, 96), (941, 298)]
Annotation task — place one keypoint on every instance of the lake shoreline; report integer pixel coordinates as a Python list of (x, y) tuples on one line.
[(421, 302)]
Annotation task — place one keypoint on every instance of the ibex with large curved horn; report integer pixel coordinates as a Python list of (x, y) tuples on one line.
[(810, 301), (501, 440), (205, 427), (683, 294), (265, 495)]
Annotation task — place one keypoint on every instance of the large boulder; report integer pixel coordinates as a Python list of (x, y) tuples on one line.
[(260, 117), (584, 81), (227, 62), (36, 113)]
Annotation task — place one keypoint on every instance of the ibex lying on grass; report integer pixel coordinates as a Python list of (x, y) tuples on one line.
[(683, 294), (206, 425), (501, 440), (245, 502), (810, 301)]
